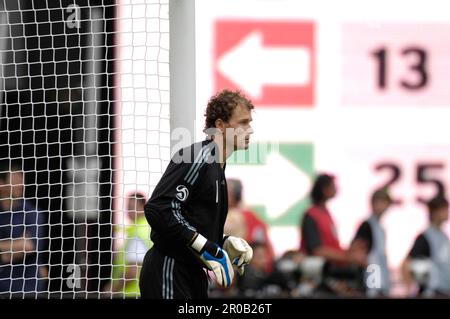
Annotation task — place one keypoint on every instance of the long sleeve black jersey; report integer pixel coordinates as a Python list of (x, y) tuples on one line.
[(190, 197)]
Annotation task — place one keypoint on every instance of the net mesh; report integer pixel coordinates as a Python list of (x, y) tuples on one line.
[(84, 138)]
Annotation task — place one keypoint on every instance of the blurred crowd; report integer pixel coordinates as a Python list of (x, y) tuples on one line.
[(320, 267)]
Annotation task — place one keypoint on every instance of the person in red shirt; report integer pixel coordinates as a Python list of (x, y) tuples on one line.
[(318, 231), (246, 223)]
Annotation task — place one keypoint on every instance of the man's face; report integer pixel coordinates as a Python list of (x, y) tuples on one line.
[(442, 214), (330, 190), (238, 129), (379, 206), (231, 198), (12, 187), (135, 208)]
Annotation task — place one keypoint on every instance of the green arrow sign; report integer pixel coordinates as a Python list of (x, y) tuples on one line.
[(276, 178)]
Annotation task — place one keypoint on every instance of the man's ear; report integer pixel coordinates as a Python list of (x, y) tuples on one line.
[(220, 125)]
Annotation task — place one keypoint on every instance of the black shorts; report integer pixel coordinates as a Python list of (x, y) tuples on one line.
[(163, 277)]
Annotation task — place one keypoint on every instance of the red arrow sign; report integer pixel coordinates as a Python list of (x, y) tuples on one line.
[(272, 62)]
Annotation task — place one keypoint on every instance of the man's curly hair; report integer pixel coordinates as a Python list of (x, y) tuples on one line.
[(222, 105)]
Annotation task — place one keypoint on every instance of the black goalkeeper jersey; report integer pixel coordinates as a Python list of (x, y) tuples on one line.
[(190, 197)]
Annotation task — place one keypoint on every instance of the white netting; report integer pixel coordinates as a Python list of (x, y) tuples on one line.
[(145, 128), (84, 114)]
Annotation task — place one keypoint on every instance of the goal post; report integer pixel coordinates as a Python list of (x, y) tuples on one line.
[(183, 76)]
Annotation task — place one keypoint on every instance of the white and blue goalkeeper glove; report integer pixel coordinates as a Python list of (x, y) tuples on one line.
[(215, 259), (239, 252)]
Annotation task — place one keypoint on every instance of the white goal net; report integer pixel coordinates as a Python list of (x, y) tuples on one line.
[(84, 138)]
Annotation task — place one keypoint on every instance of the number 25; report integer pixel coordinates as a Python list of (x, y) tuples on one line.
[(421, 178)]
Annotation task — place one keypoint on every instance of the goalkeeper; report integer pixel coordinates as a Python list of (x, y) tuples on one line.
[(188, 208)]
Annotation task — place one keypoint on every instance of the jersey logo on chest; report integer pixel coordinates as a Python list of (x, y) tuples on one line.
[(183, 193)]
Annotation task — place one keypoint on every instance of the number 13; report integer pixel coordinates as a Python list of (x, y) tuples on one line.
[(419, 68)]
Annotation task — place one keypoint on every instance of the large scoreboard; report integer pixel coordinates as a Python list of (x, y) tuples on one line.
[(359, 89)]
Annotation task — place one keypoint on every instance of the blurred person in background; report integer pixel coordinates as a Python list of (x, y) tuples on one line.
[(258, 282), (319, 238), (255, 277), (288, 273), (23, 236), (244, 223), (433, 246), (128, 263), (371, 238)]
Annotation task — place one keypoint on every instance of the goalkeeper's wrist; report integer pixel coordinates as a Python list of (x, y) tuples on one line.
[(198, 243), (224, 239)]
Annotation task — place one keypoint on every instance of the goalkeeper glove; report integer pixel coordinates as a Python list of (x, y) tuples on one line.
[(215, 259), (239, 251)]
